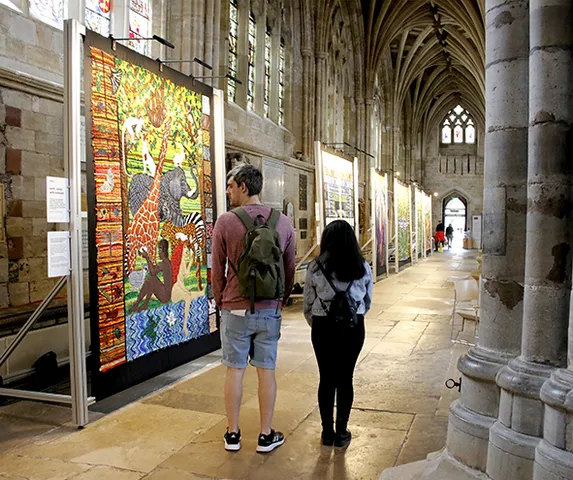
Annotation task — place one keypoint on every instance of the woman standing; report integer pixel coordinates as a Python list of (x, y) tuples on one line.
[(337, 340)]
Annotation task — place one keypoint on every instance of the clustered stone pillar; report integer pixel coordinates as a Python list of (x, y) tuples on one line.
[(505, 202), (517, 434)]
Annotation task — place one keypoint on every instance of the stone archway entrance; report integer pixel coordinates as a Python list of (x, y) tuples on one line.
[(455, 213)]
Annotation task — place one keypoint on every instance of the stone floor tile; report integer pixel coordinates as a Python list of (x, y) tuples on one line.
[(303, 457), (136, 438), (173, 474), (108, 473), (373, 419), (393, 349), (18, 466), (426, 435), (397, 316), (191, 400)]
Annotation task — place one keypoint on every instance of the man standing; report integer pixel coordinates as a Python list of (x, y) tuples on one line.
[(450, 235), (249, 326)]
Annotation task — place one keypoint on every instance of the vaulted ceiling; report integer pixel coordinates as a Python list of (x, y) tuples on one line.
[(427, 56)]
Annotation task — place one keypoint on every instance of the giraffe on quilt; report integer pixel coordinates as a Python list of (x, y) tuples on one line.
[(143, 231)]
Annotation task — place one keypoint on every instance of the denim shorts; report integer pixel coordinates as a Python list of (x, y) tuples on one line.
[(255, 335)]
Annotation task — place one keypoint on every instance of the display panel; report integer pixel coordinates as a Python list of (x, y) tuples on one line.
[(338, 180), (151, 215), (428, 223), (380, 212), (403, 208), (420, 222)]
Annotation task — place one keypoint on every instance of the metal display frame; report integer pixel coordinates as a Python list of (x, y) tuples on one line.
[(78, 398)]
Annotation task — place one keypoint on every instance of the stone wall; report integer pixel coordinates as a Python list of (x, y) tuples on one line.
[(468, 184)]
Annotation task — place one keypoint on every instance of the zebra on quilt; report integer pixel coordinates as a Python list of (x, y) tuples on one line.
[(192, 228)]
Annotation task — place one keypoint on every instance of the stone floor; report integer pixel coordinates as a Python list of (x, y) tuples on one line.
[(399, 416)]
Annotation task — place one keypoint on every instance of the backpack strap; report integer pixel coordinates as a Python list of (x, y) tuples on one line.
[(273, 218), (245, 218), (328, 279)]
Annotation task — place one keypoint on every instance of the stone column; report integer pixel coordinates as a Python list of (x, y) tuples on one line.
[(505, 201), (320, 95), (518, 431), (308, 95)]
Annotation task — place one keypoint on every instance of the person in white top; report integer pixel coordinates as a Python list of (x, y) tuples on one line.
[(337, 295)]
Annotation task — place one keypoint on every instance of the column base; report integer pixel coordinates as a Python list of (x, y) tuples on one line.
[(552, 463), (475, 412), (554, 454), (468, 436), (438, 466), (510, 454)]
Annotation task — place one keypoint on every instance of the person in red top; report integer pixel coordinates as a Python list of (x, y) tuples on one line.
[(243, 333)]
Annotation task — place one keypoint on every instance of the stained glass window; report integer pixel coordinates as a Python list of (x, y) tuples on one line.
[(267, 100), (49, 11), (251, 71), (446, 134), (140, 25), (282, 83), (98, 16), (233, 32), (458, 134), (470, 134), (463, 127)]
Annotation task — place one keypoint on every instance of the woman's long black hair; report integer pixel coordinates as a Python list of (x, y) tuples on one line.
[(340, 253)]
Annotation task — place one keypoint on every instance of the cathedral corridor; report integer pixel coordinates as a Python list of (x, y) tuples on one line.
[(400, 412)]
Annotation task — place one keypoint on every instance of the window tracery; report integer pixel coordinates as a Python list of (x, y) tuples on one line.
[(458, 127)]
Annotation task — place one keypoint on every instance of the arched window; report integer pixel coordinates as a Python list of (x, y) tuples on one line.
[(470, 133), (458, 134), (140, 25), (446, 133), (98, 16), (251, 70), (233, 32), (458, 127), (268, 50), (282, 83)]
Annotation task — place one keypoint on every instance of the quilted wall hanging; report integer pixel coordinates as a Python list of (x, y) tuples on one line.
[(151, 214)]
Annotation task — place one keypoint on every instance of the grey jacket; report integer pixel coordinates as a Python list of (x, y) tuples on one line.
[(318, 293)]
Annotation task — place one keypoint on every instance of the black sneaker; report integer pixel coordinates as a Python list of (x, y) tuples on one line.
[(232, 441), (342, 439), (327, 439), (267, 443)]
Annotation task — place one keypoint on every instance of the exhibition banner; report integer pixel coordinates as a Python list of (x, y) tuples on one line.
[(419, 222), (403, 201), (428, 222), (338, 182), (151, 202), (380, 223)]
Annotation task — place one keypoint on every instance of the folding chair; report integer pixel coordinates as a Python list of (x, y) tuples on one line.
[(466, 305)]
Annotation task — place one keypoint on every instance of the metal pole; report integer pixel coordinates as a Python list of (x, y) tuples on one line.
[(41, 396), (30, 322), (72, 81)]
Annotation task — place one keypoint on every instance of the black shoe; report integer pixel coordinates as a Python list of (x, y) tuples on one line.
[(327, 439), (267, 443), (232, 441), (342, 439)]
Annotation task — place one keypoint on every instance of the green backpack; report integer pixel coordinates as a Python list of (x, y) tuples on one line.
[(260, 268)]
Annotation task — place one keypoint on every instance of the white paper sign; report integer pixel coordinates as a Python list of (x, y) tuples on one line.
[(58, 254), (57, 200)]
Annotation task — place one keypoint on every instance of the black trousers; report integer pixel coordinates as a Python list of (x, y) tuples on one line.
[(336, 347)]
